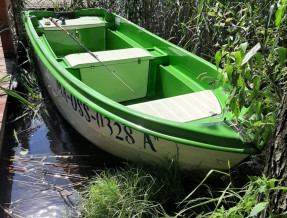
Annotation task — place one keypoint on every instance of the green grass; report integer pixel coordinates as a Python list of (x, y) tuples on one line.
[(123, 193), (133, 192)]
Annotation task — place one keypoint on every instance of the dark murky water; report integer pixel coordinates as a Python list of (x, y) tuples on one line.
[(41, 173)]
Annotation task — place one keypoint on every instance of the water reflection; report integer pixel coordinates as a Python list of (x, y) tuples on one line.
[(42, 170)]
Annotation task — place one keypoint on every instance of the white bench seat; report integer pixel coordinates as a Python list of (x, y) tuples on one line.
[(71, 24), (182, 108), (110, 56)]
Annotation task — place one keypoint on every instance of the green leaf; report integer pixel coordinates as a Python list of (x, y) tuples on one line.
[(259, 59), (24, 152), (267, 40), (258, 107), (243, 46), (228, 20), (236, 111), (238, 57), (233, 93), (200, 7), (224, 80), (258, 123), (242, 96), (5, 78), (223, 195), (17, 96), (279, 15), (258, 208), (270, 13), (282, 53), (240, 81), (28, 89), (280, 74), (280, 188), (229, 70), (256, 82), (15, 136), (252, 178), (218, 58), (251, 53), (271, 182), (282, 214), (256, 86)]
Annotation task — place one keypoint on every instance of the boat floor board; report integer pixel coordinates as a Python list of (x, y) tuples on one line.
[(182, 108)]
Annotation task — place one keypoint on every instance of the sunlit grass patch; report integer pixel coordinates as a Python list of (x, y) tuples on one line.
[(123, 193)]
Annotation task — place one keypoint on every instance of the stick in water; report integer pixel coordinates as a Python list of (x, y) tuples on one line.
[(94, 56)]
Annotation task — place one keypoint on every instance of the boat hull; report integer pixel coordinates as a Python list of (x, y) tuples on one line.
[(128, 143)]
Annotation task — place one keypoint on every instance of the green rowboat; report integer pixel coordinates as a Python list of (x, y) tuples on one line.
[(136, 96)]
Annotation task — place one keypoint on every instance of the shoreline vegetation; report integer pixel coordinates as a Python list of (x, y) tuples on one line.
[(137, 191), (247, 39)]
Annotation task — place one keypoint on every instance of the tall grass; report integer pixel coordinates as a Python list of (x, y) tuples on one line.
[(126, 193), (139, 192), (133, 192)]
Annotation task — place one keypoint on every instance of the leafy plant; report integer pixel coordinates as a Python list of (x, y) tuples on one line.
[(257, 75), (251, 200)]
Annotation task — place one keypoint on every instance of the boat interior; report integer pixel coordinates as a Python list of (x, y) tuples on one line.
[(152, 75)]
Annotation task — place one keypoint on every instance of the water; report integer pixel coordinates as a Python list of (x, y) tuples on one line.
[(44, 168)]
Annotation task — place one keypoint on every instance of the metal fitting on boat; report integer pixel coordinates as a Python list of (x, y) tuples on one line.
[(63, 21), (76, 33)]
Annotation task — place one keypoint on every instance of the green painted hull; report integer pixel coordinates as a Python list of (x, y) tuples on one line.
[(102, 108)]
